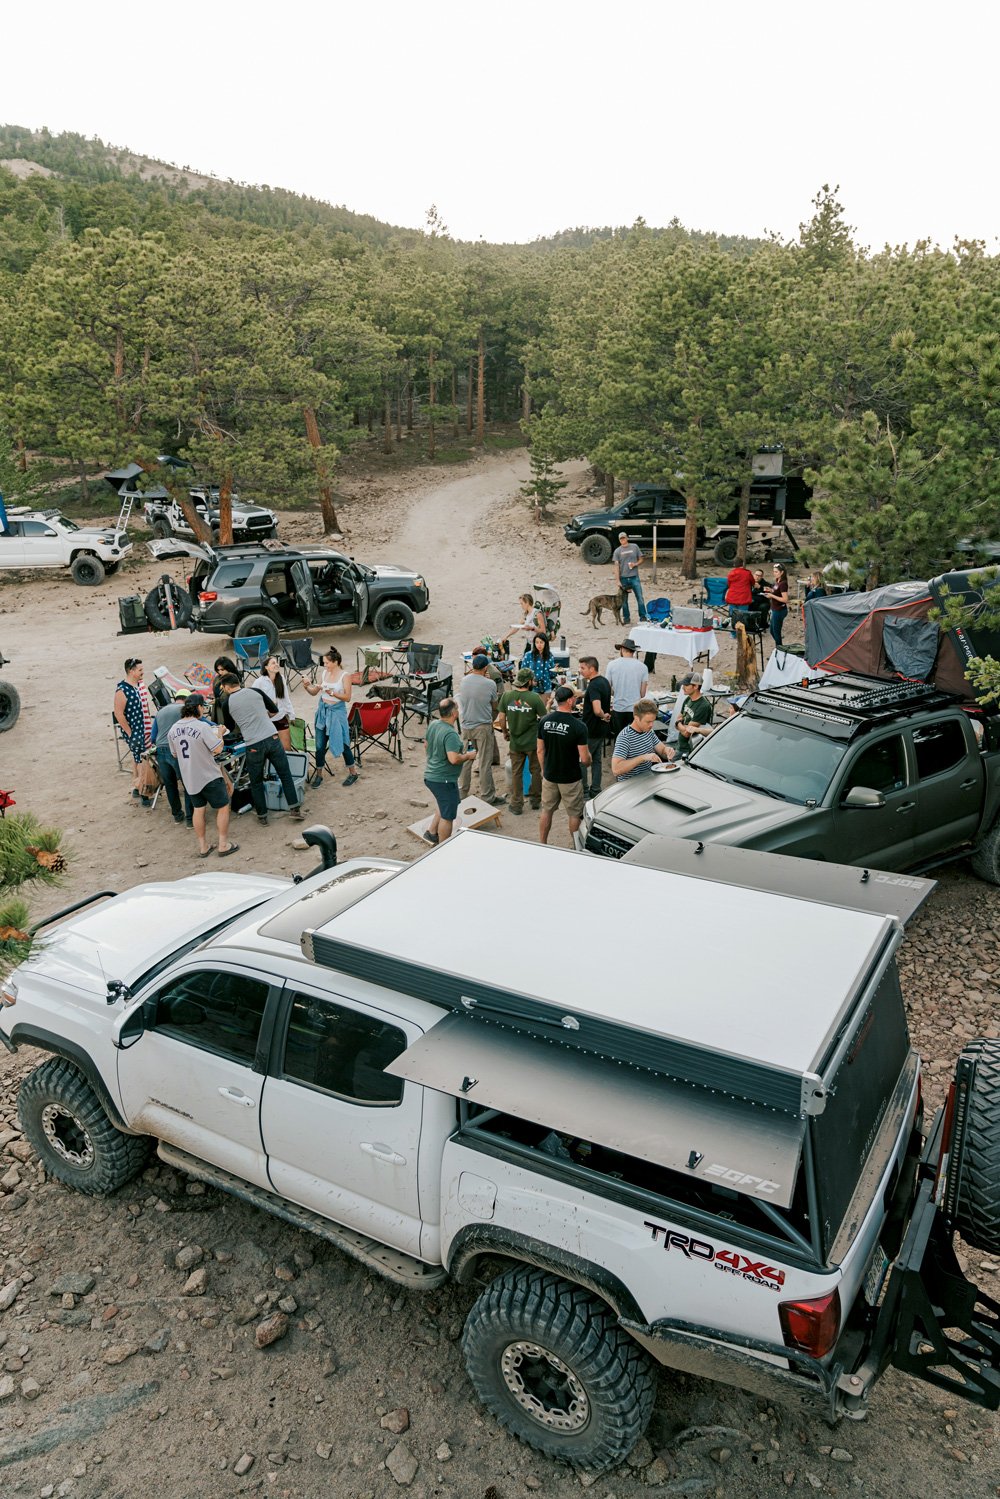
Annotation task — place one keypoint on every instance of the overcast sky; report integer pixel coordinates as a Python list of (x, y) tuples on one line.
[(525, 117)]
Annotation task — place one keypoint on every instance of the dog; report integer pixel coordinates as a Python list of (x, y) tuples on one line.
[(602, 601)]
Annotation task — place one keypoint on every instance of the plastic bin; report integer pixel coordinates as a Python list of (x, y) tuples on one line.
[(273, 794)]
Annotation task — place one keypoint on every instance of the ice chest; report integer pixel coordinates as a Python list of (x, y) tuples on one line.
[(273, 794)]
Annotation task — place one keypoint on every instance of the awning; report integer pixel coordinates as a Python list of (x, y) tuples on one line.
[(699, 1133)]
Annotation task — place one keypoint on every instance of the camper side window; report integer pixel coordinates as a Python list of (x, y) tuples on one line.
[(939, 747)]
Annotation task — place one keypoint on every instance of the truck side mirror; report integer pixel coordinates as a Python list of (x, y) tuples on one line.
[(130, 1027), (863, 796)]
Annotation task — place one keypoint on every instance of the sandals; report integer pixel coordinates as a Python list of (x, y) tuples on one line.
[(225, 852), (208, 851)]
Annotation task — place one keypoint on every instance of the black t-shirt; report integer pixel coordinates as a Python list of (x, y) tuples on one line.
[(562, 734), (597, 690)]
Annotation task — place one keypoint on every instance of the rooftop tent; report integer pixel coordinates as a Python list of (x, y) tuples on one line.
[(885, 633), (124, 478), (970, 639)]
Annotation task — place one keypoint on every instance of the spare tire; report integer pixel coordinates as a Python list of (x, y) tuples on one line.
[(10, 705), (87, 569), (974, 1197), (156, 609)]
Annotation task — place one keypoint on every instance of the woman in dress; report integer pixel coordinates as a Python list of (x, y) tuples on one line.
[(777, 595), (134, 717), (274, 690), (332, 729), (538, 660)]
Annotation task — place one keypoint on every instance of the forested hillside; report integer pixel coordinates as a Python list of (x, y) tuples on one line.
[(144, 309)]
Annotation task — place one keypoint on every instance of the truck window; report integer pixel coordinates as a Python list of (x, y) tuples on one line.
[(641, 505), (216, 1011), (880, 767), (775, 758), (343, 1052), (939, 747), (36, 528)]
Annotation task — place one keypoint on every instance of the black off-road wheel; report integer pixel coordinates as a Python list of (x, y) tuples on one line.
[(977, 1150), (393, 620), (725, 551), (551, 1363), (162, 530), (72, 1135), (986, 855), (596, 550), (258, 624), (10, 705), (157, 610), (87, 570)]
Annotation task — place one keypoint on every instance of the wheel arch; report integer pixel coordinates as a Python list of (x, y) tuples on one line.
[(479, 1242), (58, 1046)]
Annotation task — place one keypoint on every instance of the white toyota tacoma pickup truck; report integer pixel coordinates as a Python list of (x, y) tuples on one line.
[(737, 1185), (45, 538)]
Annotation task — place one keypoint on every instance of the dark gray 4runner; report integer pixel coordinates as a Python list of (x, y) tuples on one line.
[(850, 769), (271, 590)]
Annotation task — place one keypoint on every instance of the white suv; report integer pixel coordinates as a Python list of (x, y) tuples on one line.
[(45, 538)]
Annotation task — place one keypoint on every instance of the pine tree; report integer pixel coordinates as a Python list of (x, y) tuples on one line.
[(30, 855)]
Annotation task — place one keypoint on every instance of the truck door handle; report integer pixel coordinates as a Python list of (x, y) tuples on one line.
[(383, 1153), (235, 1096), (905, 807), (967, 785)]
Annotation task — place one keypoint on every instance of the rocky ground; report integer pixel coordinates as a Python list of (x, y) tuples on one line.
[(171, 1340)]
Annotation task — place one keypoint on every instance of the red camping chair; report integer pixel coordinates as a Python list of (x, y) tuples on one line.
[(375, 722), (6, 800)]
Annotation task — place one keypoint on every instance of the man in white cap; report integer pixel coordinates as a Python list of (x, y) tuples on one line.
[(626, 557)]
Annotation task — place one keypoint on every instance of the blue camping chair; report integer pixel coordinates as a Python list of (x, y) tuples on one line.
[(658, 610), (715, 592), (251, 652)]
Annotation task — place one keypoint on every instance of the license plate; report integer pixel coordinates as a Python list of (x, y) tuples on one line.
[(875, 1275)]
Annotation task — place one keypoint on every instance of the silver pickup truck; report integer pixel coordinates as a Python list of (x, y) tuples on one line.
[(739, 1187)]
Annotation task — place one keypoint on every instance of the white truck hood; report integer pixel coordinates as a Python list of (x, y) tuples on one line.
[(125, 937)]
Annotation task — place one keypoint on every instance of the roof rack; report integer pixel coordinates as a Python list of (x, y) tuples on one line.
[(844, 703)]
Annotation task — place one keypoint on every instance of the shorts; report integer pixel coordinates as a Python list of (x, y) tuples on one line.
[(215, 794), (568, 794), (445, 793)]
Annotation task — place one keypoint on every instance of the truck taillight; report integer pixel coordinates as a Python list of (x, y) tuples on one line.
[(811, 1326), (207, 598)]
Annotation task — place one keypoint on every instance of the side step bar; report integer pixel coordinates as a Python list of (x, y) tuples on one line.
[(390, 1263)]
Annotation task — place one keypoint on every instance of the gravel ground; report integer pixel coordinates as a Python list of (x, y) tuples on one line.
[(130, 1327)]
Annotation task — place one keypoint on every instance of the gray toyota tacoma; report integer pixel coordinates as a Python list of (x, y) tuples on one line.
[(849, 769)]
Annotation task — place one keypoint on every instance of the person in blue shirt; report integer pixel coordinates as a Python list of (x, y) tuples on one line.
[(538, 660)]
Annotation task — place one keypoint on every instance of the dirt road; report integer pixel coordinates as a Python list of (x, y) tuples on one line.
[(131, 1380)]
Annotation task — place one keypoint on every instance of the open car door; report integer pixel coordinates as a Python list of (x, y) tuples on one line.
[(305, 594), (360, 595)]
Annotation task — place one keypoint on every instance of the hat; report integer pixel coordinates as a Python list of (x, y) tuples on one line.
[(692, 679), (621, 534), (563, 694), (479, 661), (523, 678), (182, 692), (626, 645)]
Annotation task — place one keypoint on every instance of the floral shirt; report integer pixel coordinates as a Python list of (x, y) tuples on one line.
[(542, 668)]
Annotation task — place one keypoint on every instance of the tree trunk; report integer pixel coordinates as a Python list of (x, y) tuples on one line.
[(481, 392), (744, 523), (689, 556), (409, 405), (454, 402), (468, 397), (371, 420), (399, 409), (331, 526), (386, 418), (525, 400), (22, 456), (202, 532), (609, 491), (226, 510), (356, 419), (431, 404)]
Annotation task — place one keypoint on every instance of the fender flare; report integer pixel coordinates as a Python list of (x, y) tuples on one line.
[(31, 1035), (477, 1241)]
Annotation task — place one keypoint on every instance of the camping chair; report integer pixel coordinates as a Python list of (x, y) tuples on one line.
[(298, 659), (658, 610), (714, 592), (422, 660), (121, 745), (303, 739), (251, 652), (201, 679), (375, 722), (6, 800)]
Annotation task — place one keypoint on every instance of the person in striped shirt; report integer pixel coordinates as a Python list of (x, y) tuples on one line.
[(637, 748)]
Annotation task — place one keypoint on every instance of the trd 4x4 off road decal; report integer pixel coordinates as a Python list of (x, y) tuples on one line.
[(731, 1261)]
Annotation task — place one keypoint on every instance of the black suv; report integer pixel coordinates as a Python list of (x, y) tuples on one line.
[(251, 589)]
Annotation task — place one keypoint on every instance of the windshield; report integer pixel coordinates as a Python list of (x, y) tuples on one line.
[(775, 758), (60, 520)]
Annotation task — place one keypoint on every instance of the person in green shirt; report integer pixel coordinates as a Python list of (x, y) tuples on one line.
[(445, 757), (520, 709), (695, 717)]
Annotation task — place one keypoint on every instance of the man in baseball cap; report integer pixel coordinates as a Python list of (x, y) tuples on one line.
[(695, 717), (626, 558), (521, 708)]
